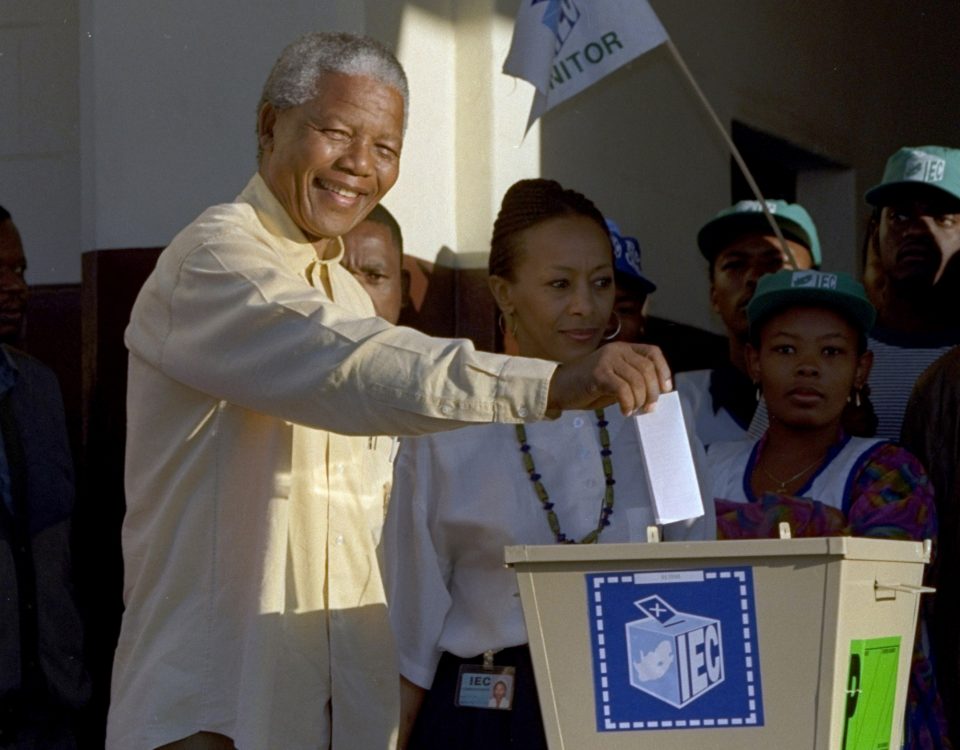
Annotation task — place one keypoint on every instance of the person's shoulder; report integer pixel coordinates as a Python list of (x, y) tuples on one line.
[(220, 222), (28, 366), (692, 379), (945, 369), (888, 341), (693, 387), (722, 451), (228, 221), (36, 387), (888, 454)]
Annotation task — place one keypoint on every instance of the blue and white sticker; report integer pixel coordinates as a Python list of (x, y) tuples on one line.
[(675, 649)]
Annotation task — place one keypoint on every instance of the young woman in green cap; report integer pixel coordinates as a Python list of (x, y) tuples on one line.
[(807, 355)]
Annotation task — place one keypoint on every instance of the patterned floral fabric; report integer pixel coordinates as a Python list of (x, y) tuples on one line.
[(890, 498)]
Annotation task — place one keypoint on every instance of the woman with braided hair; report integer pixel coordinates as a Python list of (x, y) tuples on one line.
[(459, 498)]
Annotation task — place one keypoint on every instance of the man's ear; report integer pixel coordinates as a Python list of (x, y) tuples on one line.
[(713, 299), (500, 289), (266, 122)]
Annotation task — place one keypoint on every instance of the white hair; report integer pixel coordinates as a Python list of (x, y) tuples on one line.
[(294, 77)]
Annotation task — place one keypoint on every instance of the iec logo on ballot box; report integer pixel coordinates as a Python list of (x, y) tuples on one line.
[(675, 649)]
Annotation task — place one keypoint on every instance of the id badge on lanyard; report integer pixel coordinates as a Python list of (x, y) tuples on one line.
[(485, 685)]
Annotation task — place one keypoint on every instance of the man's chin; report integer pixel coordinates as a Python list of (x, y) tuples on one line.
[(914, 285), (10, 336), (331, 227)]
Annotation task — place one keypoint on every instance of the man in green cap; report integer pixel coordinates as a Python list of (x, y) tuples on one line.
[(913, 262), (741, 246), (913, 273)]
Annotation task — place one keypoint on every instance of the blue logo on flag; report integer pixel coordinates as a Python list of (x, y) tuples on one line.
[(560, 17), (690, 660)]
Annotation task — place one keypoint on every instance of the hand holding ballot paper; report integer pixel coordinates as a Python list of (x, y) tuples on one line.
[(632, 375)]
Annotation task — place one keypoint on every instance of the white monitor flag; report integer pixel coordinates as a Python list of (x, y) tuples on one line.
[(563, 46)]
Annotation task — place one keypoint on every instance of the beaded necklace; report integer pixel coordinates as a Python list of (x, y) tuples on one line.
[(606, 507)]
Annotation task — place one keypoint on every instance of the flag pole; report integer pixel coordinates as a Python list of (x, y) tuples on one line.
[(791, 259)]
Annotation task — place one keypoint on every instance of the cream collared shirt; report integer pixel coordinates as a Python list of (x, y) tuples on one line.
[(254, 605)]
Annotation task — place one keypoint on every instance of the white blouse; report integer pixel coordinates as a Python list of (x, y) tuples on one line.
[(460, 497)]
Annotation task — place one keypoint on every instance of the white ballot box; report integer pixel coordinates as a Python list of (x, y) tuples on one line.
[(780, 643)]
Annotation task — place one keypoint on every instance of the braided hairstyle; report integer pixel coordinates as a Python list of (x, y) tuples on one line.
[(526, 204)]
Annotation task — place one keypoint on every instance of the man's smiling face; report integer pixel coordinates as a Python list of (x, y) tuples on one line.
[(330, 160)]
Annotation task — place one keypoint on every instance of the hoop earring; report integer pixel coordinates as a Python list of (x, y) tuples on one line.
[(502, 323), (854, 397), (616, 333)]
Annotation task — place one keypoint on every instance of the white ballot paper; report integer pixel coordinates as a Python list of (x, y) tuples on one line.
[(665, 449)]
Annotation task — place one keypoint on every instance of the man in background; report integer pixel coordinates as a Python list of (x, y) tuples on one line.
[(43, 683), (931, 431), (373, 253), (912, 274), (259, 378), (13, 284), (740, 247)]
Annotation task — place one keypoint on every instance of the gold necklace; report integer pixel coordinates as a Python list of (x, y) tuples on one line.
[(782, 484)]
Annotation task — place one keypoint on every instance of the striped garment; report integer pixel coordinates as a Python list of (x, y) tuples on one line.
[(898, 360)]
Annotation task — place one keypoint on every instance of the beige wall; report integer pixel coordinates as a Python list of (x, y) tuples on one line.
[(122, 119), (39, 132)]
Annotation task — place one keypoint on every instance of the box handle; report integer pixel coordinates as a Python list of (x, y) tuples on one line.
[(889, 590)]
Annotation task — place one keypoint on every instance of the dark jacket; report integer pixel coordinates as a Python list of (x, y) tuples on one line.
[(931, 431), (42, 675)]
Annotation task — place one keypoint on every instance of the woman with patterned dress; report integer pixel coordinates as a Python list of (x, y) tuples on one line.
[(459, 498), (807, 354)]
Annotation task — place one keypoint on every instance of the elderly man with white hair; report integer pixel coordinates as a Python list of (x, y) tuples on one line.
[(259, 378)]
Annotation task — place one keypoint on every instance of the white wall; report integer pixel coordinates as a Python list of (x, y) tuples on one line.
[(464, 144), (39, 133), (122, 119), (170, 92)]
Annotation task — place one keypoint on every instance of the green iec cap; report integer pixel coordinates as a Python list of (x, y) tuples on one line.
[(837, 291), (917, 169), (747, 217)]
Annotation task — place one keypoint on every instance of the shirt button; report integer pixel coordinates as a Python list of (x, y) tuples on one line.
[(522, 411), (339, 540), (578, 422), (446, 410)]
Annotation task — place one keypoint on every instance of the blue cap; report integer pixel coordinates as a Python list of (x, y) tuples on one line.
[(626, 257)]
